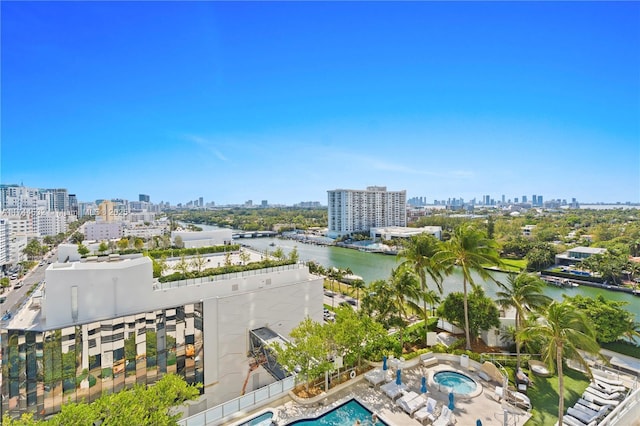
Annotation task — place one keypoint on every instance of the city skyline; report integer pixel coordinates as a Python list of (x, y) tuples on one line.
[(285, 101)]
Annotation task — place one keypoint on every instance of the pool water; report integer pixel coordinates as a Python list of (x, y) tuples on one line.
[(343, 415), (459, 383), (263, 419)]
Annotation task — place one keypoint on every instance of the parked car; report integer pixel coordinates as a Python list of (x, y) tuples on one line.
[(18, 285), (6, 316), (3, 299)]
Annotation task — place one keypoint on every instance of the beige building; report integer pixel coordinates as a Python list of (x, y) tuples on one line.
[(106, 211)]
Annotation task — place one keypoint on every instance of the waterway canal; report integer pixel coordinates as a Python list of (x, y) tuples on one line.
[(375, 266)]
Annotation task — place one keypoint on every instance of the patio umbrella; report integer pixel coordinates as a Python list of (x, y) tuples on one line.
[(423, 389), (451, 406), (398, 377), (384, 363)]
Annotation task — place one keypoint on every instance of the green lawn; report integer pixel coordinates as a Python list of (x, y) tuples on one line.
[(515, 265), (544, 396)]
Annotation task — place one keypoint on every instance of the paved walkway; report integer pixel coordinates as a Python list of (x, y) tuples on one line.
[(484, 407)]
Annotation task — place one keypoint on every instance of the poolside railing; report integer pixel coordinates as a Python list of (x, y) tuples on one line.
[(625, 413), (221, 414)]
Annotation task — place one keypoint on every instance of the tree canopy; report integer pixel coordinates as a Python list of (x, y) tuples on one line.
[(141, 405), (610, 320), (483, 312)]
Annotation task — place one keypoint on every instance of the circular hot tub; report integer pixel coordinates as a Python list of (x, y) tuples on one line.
[(454, 381)]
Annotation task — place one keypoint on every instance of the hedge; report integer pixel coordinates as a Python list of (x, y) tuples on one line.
[(177, 276)]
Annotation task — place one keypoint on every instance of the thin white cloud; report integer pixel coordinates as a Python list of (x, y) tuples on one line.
[(208, 144), (376, 163)]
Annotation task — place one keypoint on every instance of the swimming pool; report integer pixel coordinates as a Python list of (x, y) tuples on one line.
[(343, 415), (263, 419), (457, 382)]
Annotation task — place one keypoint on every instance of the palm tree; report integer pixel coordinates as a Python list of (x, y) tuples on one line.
[(470, 250), (334, 274), (565, 331), (523, 292), (405, 292), (419, 253), (357, 285)]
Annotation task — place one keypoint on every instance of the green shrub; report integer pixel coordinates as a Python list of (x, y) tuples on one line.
[(177, 276), (383, 347)]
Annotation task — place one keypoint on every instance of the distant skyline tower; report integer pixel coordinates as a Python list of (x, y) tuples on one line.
[(58, 199), (502, 198), (144, 197), (73, 204), (524, 198), (201, 202)]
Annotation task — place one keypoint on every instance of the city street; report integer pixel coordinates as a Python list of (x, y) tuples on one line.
[(14, 297)]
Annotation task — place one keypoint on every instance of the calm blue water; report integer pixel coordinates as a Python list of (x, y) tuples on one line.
[(263, 419), (344, 415), (458, 382), (373, 266)]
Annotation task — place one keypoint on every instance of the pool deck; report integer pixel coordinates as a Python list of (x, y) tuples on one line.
[(484, 407)]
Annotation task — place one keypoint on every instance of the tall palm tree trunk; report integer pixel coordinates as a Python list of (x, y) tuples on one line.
[(466, 315), (560, 383), (517, 342), (426, 318)]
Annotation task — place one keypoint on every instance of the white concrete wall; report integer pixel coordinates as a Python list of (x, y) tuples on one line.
[(281, 308), (69, 251), (112, 289)]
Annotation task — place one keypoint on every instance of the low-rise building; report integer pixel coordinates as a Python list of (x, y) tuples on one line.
[(393, 232), (577, 254), (100, 231)]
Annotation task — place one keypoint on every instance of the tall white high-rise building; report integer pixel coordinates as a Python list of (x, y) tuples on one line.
[(4, 242), (360, 210)]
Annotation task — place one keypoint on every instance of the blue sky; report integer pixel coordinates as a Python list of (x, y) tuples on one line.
[(283, 101)]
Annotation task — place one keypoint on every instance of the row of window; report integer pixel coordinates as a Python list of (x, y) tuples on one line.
[(44, 369)]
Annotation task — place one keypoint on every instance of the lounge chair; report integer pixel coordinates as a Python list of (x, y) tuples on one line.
[(584, 409), (518, 399), (593, 405), (427, 412), (572, 421), (444, 419), (606, 379), (595, 399), (597, 414), (428, 359), (393, 390), (377, 376), (522, 378), (602, 394), (406, 397), (414, 404), (582, 416), (607, 387)]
